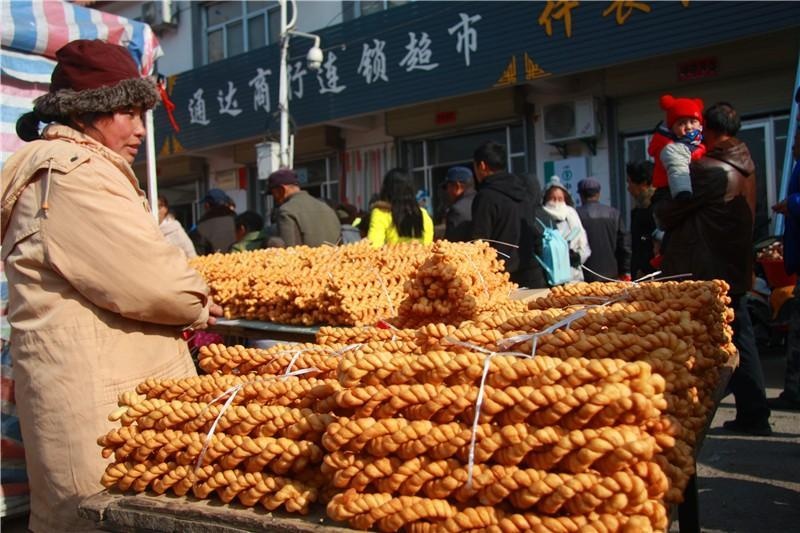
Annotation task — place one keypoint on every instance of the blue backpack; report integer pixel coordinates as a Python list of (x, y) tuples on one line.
[(555, 255)]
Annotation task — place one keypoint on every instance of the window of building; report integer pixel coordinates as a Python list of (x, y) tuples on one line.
[(429, 160), (320, 178), (360, 8), (232, 28)]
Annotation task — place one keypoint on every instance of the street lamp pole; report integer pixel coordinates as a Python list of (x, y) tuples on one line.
[(283, 88), (314, 62)]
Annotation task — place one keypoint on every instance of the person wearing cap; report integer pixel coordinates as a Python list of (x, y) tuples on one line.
[(460, 187), (99, 299), (560, 207), (216, 229), (711, 237), (301, 218), (605, 229)]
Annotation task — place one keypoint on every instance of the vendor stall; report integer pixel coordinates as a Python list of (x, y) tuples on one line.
[(466, 410)]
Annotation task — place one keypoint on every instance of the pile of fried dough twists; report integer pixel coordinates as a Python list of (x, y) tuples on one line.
[(579, 411)]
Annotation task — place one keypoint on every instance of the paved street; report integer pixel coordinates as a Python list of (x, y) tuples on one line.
[(752, 484)]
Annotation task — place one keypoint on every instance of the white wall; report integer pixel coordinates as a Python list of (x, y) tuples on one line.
[(176, 43), (317, 14)]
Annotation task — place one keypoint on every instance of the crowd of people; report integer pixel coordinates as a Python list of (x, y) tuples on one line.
[(94, 284)]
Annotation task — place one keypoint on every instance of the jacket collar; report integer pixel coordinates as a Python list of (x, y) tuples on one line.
[(65, 133)]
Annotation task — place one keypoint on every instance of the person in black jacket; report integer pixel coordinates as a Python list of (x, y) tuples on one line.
[(460, 187), (502, 213), (605, 228), (640, 180)]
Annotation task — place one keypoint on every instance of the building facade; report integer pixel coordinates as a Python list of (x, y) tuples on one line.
[(571, 88)]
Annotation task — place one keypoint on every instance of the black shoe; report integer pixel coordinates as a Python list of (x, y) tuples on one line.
[(782, 403), (759, 429)]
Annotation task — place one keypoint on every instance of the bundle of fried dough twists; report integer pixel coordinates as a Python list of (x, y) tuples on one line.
[(595, 432), (356, 284)]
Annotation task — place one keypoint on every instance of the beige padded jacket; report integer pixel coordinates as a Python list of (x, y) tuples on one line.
[(98, 300)]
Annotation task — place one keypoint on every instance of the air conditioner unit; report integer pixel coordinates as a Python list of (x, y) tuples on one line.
[(160, 15), (569, 121)]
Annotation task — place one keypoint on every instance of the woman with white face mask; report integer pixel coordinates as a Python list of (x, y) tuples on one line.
[(559, 205)]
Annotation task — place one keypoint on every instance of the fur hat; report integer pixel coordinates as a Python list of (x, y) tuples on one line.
[(94, 76), (681, 107)]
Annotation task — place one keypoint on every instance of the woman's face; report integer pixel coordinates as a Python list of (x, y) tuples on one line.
[(556, 195), (162, 212), (122, 132)]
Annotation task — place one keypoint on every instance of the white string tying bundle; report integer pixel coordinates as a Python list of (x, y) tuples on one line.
[(385, 291), (479, 400), (233, 391), (498, 242), (563, 323), (477, 271)]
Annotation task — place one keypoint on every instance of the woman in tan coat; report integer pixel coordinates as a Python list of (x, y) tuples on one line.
[(98, 298)]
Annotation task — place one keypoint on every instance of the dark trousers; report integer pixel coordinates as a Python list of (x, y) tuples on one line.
[(747, 382)]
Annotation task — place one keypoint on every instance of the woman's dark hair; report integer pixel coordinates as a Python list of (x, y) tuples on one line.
[(640, 172), (399, 193), (163, 201), (567, 196), (28, 124)]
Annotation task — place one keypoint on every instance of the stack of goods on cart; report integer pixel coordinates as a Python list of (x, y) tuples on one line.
[(582, 411), (354, 284), (597, 430)]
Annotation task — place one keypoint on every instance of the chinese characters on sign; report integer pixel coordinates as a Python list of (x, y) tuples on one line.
[(624, 9), (261, 90), (227, 105), (296, 73), (419, 54), (557, 10), (331, 82), (562, 10), (197, 109), (373, 62), (467, 36)]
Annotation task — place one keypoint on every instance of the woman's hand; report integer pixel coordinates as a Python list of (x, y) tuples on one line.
[(214, 310), (781, 207)]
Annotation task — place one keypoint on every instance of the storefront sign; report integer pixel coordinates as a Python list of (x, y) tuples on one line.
[(425, 51)]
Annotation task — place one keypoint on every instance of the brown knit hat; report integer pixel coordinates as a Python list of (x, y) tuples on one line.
[(94, 76)]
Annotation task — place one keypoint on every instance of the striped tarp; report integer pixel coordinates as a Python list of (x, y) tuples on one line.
[(32, 31)]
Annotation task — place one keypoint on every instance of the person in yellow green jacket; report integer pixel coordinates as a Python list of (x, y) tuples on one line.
[(396, 216)]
